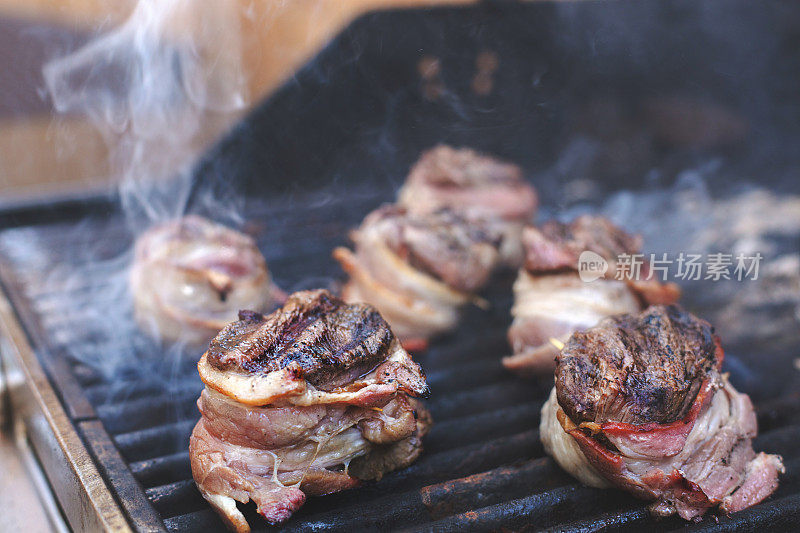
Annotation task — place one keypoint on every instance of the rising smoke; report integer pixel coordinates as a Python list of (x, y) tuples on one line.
[(159, 88), (169, 78)]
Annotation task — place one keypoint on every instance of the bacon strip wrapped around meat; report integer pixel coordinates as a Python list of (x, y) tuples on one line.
[(310, 400), (418, 270), (640, 404), (191, 276), (550, 299), (491, 194)]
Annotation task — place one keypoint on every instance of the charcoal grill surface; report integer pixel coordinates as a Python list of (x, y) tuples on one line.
[(355, 118)]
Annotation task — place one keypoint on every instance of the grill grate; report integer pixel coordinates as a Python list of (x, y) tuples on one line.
[(483, 469)]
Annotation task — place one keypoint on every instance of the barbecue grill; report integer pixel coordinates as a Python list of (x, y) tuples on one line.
[(332, 144)]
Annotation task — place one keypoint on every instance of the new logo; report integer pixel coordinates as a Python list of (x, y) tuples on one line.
[(591, 266)]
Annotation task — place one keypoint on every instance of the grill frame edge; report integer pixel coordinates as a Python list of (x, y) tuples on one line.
[(83, 495)]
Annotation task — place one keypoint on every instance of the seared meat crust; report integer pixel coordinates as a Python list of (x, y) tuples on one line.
[(640, 404), (490, 193), (637, 368), (554, 306), (312, 399), (447, 247), (417, 269), (556, 245), (441, 244), (327, 341), (551, 300)]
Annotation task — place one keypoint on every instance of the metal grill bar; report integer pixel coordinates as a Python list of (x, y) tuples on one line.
[(484, 466)]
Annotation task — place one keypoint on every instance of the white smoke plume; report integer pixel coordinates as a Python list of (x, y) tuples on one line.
[(160, 88), (157, 87)]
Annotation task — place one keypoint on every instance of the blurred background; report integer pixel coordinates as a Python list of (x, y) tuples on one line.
[(61, 154)]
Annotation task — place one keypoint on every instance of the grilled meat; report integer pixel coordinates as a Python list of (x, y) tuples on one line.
[(670, 350), (190, 276), (417, 269), (489, 193), (640, 404), (552, 307), (312, 399), (550, 299), (556, 246)]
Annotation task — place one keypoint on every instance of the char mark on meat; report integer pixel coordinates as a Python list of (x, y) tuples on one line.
[(331, 342), (490, 193), (637, 368), (312, 399), (444, 245), (417, 269), (640, 404), (551, 300)]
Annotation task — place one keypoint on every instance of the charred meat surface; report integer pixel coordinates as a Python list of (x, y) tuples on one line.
[(328, 344), (312, 399), (488, 192), (556, 245), (640, 404), (636, 369), (190, 277), (417, 270), (551, 301), (443, 245)]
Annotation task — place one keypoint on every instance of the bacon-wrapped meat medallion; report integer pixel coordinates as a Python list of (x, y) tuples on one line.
[(551, 300), (640, 404), (312, 399), (489, 193), (418, 270), (191, 276)]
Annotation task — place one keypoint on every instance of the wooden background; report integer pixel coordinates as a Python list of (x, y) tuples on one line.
[(42, 153)]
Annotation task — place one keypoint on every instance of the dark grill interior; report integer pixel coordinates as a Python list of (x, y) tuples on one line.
[(483, 467), (333, 144)]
